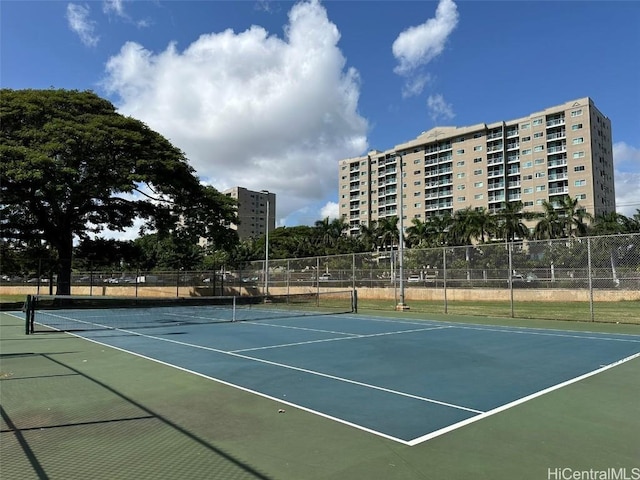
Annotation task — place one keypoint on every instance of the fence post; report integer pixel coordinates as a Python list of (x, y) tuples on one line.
[(444, 278), (353, 271), (510, 278), (591, 313)]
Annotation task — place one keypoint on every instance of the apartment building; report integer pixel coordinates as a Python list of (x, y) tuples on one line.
[(256, 210), (561, 151)]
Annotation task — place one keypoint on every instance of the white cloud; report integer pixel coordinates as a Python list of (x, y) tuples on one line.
[(113, 6), (331, 210), (252, 109), (418, 45), (80, 23), (439, 109), (626, 159)]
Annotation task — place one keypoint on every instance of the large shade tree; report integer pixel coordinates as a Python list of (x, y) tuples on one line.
[(71, 165)]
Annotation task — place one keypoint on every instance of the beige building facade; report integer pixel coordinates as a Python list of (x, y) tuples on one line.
[(256, 210), (561, 151)]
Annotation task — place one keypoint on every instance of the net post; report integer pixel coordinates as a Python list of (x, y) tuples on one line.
[(28, 315), (233, 310), (354, 301)]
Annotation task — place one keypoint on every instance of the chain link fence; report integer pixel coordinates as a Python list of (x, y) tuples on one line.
[(584, 279)]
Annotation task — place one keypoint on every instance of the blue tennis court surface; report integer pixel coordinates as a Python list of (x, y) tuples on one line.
[(408, 381)]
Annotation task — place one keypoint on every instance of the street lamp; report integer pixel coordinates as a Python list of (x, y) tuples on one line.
[(266, 247)]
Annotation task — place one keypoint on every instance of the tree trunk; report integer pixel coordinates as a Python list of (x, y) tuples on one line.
[(65, 253)]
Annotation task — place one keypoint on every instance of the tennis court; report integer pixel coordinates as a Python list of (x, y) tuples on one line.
[(408, 381)]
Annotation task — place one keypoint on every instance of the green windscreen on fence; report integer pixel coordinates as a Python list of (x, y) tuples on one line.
[(77, 313)]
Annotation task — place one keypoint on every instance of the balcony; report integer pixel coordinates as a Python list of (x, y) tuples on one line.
[(555, 135), (494, 135), (513, 171), (557, 149), (513, 145), (558, 176), (495, 148), (557, 163), (495, 173), (554, 122), (558, 190), (495, 185), (513, 184)]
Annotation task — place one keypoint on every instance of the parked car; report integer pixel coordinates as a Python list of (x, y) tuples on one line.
[(414, 278)]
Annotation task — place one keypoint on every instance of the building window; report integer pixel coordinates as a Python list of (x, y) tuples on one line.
[(576, 113), (417, 205), (460, 164), (525, 126), (579, 183), (528, 204), (525, 139), (460, 152), (416, 161), (540, 175), (478, 196), (526, 151), (477, 148), (460, 175), (477, 160), (539, 201), (541, 188), (528, 190), (417, 183), (478, 184), (537, 121), (527, 177), (539, 161), (578, 154), (582, 196), (477, 172), (576, 126), (460, 187), (579, 168), (461, 199), (577, 141), (538, 134), (417, 172), (538, 148), (527, 165)]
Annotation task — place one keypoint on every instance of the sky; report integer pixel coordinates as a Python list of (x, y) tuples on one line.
[(271, 95)]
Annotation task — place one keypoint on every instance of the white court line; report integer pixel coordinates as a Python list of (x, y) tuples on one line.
[(481, 415), (305, 370), (350, 336), (587, 334), (509, 405)]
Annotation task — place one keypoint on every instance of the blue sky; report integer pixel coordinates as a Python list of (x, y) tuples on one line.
[(271, 95)]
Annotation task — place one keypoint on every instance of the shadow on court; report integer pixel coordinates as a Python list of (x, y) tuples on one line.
[(60, 422)]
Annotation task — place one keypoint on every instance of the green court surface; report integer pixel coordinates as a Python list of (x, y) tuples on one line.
[(73, 409)]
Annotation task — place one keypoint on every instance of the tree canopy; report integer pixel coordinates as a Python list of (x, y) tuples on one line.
[(71, 165)]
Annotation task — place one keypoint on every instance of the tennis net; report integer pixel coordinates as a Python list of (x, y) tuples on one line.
[(79, 313)]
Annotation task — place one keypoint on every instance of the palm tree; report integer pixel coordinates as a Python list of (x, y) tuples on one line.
[(470, 224), (610, 223), (439, 227), (368, 236), (574, 218), (417, 233), (328, 232), (511, 221), (549, 225), (388, 231)]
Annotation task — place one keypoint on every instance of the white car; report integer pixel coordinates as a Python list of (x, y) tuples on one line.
[(414, 279)]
